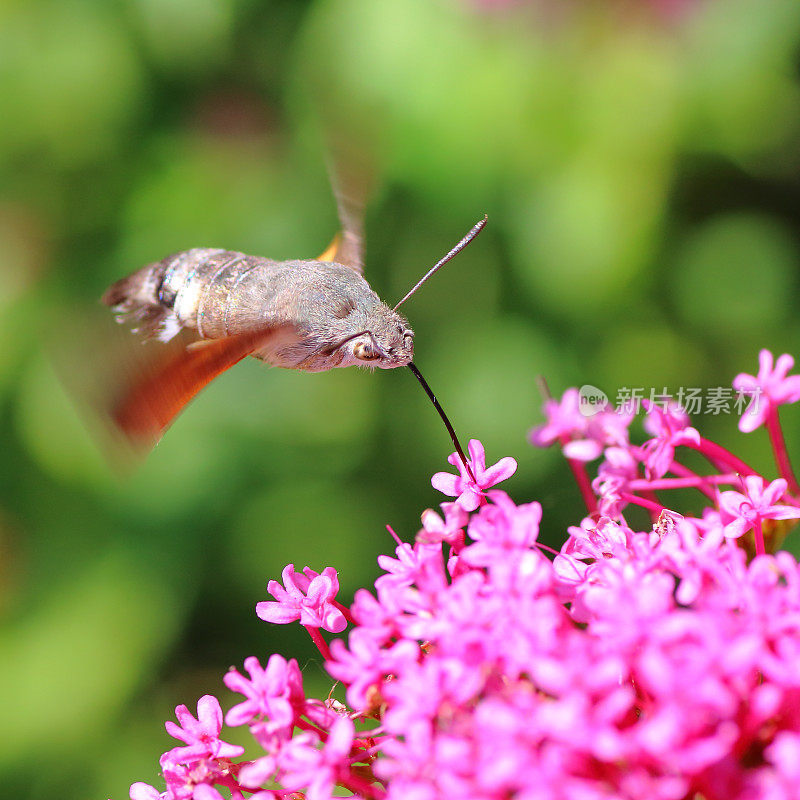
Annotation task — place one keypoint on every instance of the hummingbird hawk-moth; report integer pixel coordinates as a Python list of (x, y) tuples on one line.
[(210, 308)]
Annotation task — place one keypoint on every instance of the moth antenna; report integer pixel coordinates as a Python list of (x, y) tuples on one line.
[(476, 229), (418, 375)]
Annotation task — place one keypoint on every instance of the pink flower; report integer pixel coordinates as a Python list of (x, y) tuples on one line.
[(201, 735), (205, 792), (259, 771), (500, 528), (450, 530), (274, 694), (769, 389), (741, 512), (564, 421), (584, 434), (363, 662), (308, 597), (468, 492), (413, 564), (597, 540), (379, 615), (607, 427), (653, 657), (670, 427), (784, 752), (182, 781), (315, 770), (144, 791)]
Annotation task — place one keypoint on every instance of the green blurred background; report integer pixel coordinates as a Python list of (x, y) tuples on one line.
[(639, 165)]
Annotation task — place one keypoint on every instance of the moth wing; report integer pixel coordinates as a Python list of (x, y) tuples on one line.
[(164, 384), (131, 389), (344, 249), (347, 247), (351, 185)]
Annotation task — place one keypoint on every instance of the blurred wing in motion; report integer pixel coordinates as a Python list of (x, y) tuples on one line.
[(135, 388), (353, 176), (159, 390), (344, 249), (349, 243)]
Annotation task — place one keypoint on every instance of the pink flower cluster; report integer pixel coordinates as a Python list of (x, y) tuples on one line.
[(657, 660)]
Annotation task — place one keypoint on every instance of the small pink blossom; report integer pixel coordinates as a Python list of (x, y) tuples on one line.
[(742, 511), (363, 662), (184, 782), (450, 529), (316, 770), (258, 772), (308, 597), (583, 435), (201, 735), (501, 527), (784, 752), (606, 427), (205, 792), (597, 540), (414, 563), (144, 791), (376, 613), (469, 493), (564, 421), (769, 389), (619, 463), (274, 695), (670, 428)]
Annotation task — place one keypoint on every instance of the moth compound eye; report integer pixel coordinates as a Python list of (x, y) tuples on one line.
[(364, 351)]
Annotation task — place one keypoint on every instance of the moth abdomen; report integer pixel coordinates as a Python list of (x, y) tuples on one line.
[(180, 291), (221, 309), (135, 299)]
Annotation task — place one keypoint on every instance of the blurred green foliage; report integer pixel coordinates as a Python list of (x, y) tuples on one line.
[(640, 173)]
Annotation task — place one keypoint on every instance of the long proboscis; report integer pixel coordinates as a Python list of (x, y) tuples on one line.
[(432, 397), (474, 231)]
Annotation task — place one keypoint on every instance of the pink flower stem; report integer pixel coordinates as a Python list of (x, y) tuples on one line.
[(233, 785), (689, 481), (230, 783), (582, 479), (394, 535), (548, 549), (718, 455), (361, 786), (652, 497), (651, 505), (779, 449), (758, 532), (304, 725), (321, 644), (707, 481)]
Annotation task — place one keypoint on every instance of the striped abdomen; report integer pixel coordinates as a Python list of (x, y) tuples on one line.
[(207, 289)]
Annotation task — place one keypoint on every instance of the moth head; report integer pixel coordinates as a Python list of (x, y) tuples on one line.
[(387, 346)]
